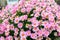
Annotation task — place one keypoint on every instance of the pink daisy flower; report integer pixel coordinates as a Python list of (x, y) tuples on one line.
[(28, 33), (20, 25), (16, 20), (33, 36), (35, 29), (9, 38), (39, 33), (2, 38), (23, 34)]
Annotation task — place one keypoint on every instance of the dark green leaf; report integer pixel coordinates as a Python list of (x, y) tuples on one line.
[(57, 1), (52, 35), (1, 21), (11, 32)]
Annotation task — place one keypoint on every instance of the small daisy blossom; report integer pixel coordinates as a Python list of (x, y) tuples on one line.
[(2, 38), (20, 25), (16, 20), (34, 36), (23, 34)]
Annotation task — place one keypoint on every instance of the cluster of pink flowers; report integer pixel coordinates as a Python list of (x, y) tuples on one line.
[(45, 13)]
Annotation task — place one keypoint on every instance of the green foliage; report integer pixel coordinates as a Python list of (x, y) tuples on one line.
[(57, 1), (57, 38), (24, 26), (41, 26), (10, 21), (39, 18), (52, 35), (11, 32), (19, 13), (28, 38), (15, 25), (31, 12), (1, 21), (2, 34)]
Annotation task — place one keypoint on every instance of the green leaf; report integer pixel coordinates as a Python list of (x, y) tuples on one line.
[(2, 34), (24, 26), (15, 25), (1, 21), (41, 26), (57, 38), (11, 32), (57, 1), (19, 13), (52, 35), (31, 12), (10, 21), (39, 18), (28, 38)]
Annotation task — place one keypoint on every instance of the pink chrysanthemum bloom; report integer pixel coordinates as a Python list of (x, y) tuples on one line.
[(2, 38), (35, 29), (9, 38), (11, 27), (24, 17), (16, 30), (39, 33), (20, 25), (7, 32), (23, 10), (37, 14), (46, 33), (16, 20), (2, 28), (23, 34), (33, 35), (28, 33), (23, 39)]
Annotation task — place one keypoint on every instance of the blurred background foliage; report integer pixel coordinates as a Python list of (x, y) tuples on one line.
[(4, 2), (57, 1)]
